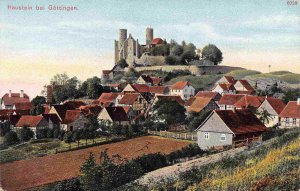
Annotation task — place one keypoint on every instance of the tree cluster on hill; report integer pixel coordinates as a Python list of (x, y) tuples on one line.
[(180, 54), (72, 88), (212, 53)]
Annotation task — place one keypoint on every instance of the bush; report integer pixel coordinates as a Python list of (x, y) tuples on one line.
[(68, 185), (4, 128), (10, 138), (41, 133), (25, 134), (68, 137), (170, 60), (151, 162)]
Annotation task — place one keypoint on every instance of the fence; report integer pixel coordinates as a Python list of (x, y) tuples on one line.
[(174, 135)]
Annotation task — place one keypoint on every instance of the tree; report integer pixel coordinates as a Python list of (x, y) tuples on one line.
[(4, 128), (264, 116), (90, 175), (91, 87), (25, 134), (291, 95), (195, 119), (122, 63), (213, 53), (190, 47), (37, 105), (68, 137), (169, 111), (10, 138), (176, 50), (131, 73), (65, 87), (187, 56), (170, 60)]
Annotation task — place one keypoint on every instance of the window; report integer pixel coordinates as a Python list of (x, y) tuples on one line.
[(223, 137), (294, 121), (206, 136), (286, 121)]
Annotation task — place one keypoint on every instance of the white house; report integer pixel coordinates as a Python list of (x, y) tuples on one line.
[(224, 89), (290, 115), (274, 107), (182, 89)]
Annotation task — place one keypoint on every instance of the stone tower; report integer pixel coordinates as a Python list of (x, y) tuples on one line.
[(122, 35), (149, 35)]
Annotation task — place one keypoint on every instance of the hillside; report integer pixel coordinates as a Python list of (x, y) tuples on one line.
[(272, 166), (206, 80)]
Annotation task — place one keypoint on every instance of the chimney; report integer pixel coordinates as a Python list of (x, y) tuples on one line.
[(298, 101), (9, 93), (22, 93)]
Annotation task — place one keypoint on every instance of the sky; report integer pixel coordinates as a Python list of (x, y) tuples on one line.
[(36, 45)]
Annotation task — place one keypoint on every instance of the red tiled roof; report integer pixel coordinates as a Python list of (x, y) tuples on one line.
[(15, 98), (142, 88), (291, 110), (230, 99), (245, 92), (92, 109), (226, 86), (246, 85), (71, 116), (157, 41), (129, 99), (241, 121), (158, 89), (74, 104), (178, 99), (199, 104), (276, 104), (190, 101), (23, 106), (180, 85), (31, 121), (107, 98), (208, 94), (117, 113), (230, 79), (249, 100)]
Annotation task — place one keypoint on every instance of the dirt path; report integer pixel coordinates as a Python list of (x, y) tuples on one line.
[(174, 171)]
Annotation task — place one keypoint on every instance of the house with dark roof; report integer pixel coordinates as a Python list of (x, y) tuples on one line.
[(53, 120), (224, 88), (178, 99), (202, 104), (33, 122), (243, 87), (73, 120), (9, 100), (60, 110), (227, 101), (183, 89), (290, 115), (139, 88), (151, 81), (226, 80), (274, 107), (135, 100), (115, 114), (229, 128)]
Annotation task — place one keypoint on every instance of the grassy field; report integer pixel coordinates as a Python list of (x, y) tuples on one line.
[(61, 166), (38, 149), (203, 82), (240, 74)]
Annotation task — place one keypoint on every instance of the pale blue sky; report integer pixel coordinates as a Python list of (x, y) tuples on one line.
[(34, 45)]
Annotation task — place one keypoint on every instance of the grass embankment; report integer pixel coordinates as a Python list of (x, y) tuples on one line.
[(240, 74), (198, 82), (287, 77), (275, 166), (38, 148)]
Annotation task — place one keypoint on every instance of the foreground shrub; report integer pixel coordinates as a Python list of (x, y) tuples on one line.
[(10, 138)]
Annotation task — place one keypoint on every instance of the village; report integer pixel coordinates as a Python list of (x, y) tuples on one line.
[(136, 104)]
